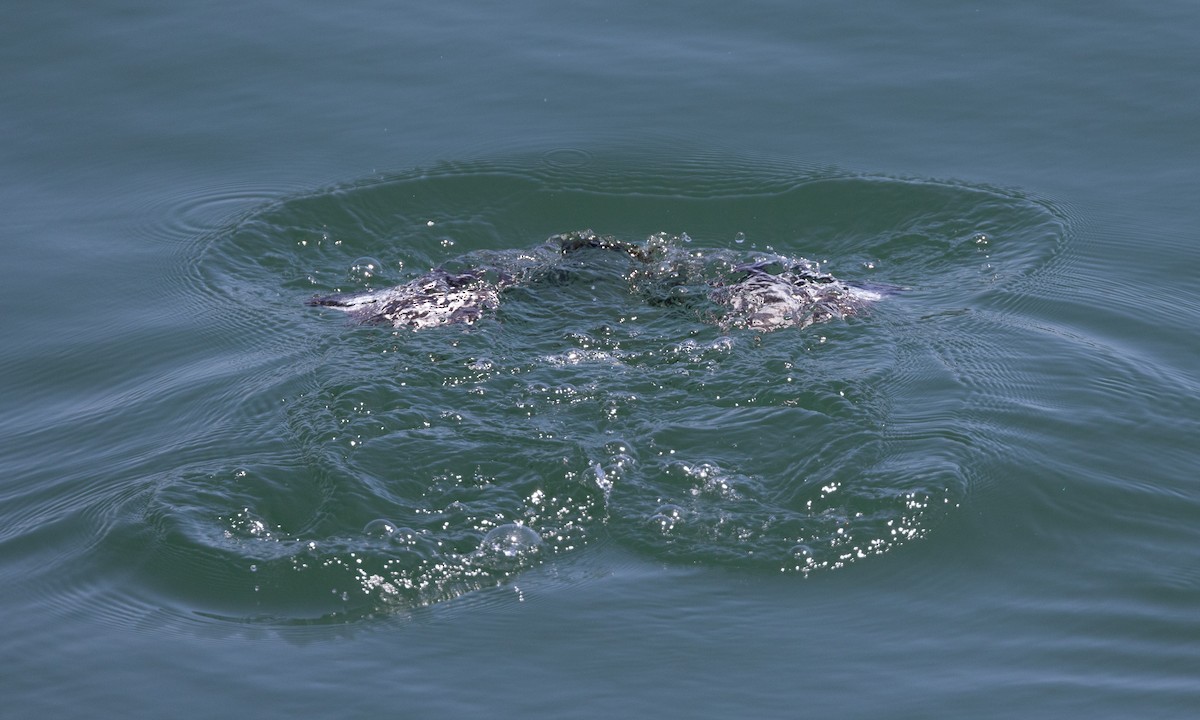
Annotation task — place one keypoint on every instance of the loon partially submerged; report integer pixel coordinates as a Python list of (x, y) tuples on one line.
[(767, 294)]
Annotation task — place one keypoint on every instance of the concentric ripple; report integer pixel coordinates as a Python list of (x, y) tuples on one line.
[(393, 469)]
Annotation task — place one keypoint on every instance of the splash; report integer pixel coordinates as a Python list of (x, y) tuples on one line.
[(690, 397)]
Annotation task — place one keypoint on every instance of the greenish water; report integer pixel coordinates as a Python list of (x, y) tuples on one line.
[(581, 411), (977, 498)]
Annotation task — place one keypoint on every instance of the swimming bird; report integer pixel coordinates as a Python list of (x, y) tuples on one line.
[(769, 293)]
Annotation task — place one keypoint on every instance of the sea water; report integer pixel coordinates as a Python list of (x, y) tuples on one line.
[(977, 498)]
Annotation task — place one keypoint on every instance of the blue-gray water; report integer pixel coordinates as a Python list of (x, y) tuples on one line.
[(977, 499)]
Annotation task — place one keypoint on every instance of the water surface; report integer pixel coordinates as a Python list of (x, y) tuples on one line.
[(975, 499)]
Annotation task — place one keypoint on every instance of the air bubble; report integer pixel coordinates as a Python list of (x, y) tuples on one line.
[(365, 268), (672, 511), (405, 536), (802, 552), (380, 528), (510, 541), (666, 517), (481, 364)]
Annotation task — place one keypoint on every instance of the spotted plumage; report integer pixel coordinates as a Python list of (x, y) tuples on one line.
[(767, 294)]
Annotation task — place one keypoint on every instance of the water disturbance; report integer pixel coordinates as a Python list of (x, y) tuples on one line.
[(340, 470)]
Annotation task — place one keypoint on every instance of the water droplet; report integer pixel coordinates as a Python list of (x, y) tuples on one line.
[(603, 481), (739, 238)]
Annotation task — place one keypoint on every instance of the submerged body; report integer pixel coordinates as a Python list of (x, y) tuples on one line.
[(767, 294)]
